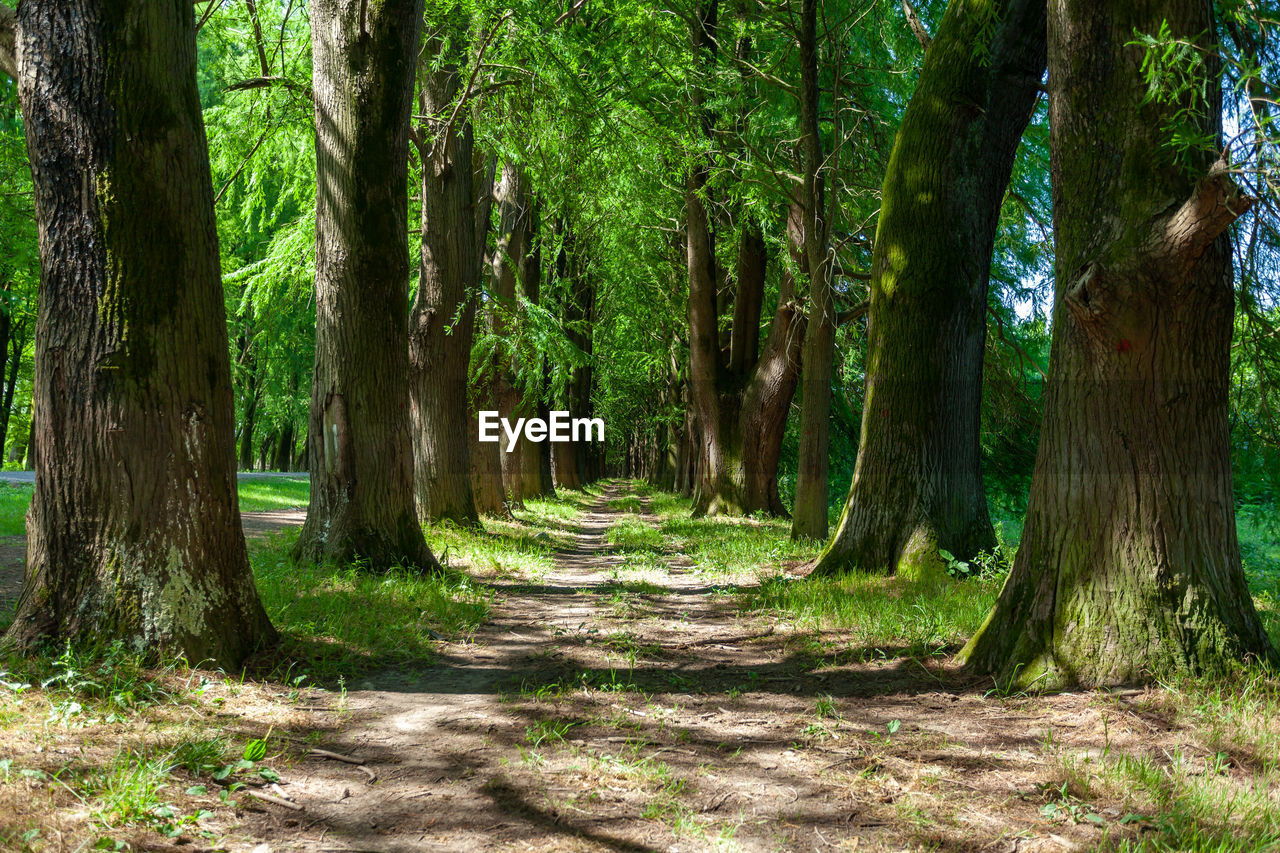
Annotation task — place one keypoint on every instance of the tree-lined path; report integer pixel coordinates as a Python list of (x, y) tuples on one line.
[(600, 710)]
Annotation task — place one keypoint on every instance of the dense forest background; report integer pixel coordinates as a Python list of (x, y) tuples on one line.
[(595, 110)]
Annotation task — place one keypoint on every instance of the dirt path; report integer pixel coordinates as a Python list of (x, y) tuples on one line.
[(590, 714)]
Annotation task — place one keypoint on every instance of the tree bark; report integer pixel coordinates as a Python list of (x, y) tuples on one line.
[(443, 320), (360, 452), (133, 532), (1129, 568), (917, 484)]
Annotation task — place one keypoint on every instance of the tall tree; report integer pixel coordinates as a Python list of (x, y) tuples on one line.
[(740, 394), (809, 514), (917, 484), (443, 319), (134, 532), (360, 453), (512, 246), (1129, 568)]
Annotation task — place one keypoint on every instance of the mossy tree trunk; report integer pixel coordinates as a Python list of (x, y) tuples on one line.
[(917, 484), (360, 453), (442, 321), (1129, 568), (134, 531)]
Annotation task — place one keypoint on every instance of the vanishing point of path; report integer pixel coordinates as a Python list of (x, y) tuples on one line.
[(594, 713)]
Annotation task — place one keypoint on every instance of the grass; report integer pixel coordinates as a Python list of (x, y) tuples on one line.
[(345, 622), (885, 616), (14, 500), (256, 495), (268, 493)]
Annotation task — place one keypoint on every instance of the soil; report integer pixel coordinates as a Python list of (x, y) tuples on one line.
[(717, 736)]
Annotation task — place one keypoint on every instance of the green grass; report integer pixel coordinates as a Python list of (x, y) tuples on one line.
[(268, 493), (256, 495), (343, 621), (886, 615), (14, 500)]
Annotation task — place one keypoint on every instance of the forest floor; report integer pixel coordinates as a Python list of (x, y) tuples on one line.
[(622, 678)]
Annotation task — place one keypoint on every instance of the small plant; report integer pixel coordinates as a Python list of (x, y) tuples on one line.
[(825, 708)]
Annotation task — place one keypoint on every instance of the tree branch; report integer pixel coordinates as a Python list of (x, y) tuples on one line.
[(917, 26), (857, 312), (1215, 203), (8, 41), (264, 82)]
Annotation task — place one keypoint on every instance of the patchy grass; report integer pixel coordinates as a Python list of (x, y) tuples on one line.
[(107, 752)]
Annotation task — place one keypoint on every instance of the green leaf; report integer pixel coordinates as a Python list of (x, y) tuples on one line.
[(268, 774), (197, 791), (893, 725), (255, 750)]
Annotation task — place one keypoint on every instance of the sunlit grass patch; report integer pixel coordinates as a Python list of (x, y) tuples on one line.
[(559, 511), (631, 534), (876, 612), (347, 620), (502, 548), (728, 546), (268, 493), (14, 500)]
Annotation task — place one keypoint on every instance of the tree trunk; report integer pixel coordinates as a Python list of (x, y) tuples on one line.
[(284, 448), (917, 484), (740, 403), (740, 419), (133, 531), (443, 319), (16, 345), (529, 287), (12, 342), (512, 196), (250, 406), (1129, 569), (360, 452), (809, 515), (486, 461)]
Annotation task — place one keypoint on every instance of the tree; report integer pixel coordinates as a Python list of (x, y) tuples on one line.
[(360, 454), (512, 247), (809, 515), (1129, 568), (740, 397), (917, 485), (133, 532), (443, 318)]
